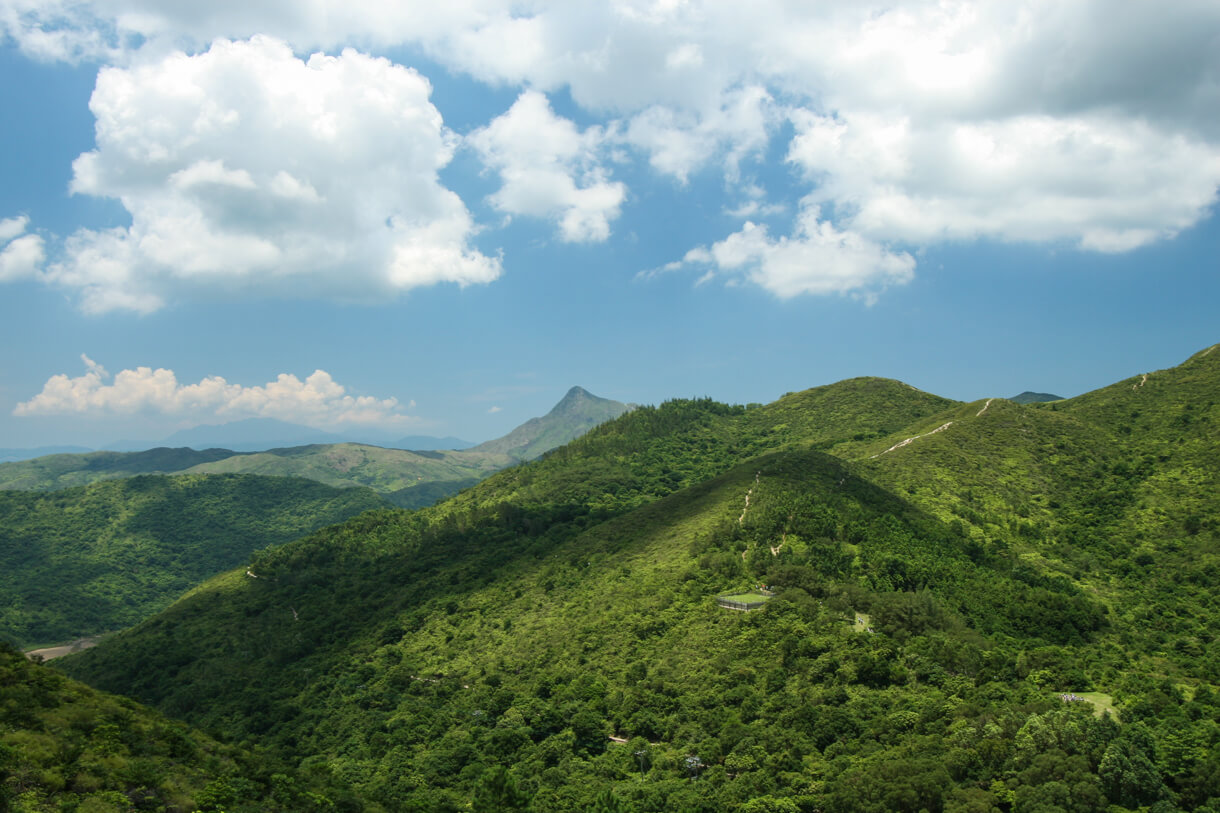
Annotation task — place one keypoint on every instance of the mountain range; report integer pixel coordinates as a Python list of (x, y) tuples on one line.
[(409, 479), (984, 606), (258, 434)]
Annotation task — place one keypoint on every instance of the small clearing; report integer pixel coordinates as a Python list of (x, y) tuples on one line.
[(1103, 704), (862, 622), (750, 600)]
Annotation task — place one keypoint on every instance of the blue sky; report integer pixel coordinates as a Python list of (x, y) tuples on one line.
[(411, 221)]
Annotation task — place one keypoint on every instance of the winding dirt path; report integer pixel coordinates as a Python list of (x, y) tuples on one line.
[(742, 518), (902, 443), (1143, 381), (984, 409)]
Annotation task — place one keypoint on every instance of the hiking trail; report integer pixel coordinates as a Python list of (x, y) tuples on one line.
[(900, 444)]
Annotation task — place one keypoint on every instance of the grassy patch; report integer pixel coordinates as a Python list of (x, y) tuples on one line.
[(748, 598), (1102, 703)]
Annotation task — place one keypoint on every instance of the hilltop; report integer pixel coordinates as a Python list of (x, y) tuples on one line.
[(977, 605), (1028, 397)]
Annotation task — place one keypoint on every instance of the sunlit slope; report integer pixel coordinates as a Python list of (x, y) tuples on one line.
[(1118, 490), (1168, 424), (1007, 469), (82, 561)]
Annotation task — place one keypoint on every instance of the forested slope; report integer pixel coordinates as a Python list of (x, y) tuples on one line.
[(64, 746), (955, 617), (82, 561)]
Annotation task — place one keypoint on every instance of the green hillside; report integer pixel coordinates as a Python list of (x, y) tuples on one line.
[(987, 606), (1028, 397), (67, 470), (87, 560), (408, 479), (64, 746)]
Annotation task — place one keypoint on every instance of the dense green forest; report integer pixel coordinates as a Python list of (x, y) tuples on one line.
[(82, 561), (978, 607), (66, 747)]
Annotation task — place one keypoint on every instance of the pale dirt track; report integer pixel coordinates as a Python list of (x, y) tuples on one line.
[(50, 653)]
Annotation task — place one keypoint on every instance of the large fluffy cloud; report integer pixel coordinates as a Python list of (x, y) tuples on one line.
[(1105, 184), (317, 401), (549, 168), (1084, 123), (246, 169)]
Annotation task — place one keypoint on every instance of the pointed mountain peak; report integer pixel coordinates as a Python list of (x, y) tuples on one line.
[(577, 413), (576, 395)]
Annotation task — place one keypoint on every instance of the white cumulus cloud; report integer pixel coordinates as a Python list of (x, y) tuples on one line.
[(247, 170), (318, 400), (680, 142), (816, 259), (550, 169), (22, 254), (1100, 183)]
